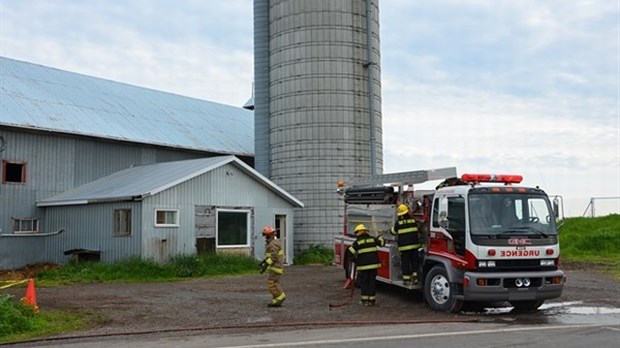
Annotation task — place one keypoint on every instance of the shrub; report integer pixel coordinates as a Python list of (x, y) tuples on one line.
[(316, 254), (15, 317)]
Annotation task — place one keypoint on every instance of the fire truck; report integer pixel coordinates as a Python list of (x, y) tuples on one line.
[(487, 240)]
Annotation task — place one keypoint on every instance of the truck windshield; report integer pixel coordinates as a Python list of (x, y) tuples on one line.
[(511, 213)]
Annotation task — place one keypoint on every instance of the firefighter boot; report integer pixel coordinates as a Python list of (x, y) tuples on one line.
[(414, 278), (277, 302)]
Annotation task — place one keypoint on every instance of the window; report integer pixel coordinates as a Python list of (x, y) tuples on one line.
[(233, 228), (25, 225), (166, 218), (456, 223), (436, 213), (122, 222), (456, 213), (13, 172)]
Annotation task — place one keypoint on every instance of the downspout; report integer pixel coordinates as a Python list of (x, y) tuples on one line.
[(371, 92), (39, 234)]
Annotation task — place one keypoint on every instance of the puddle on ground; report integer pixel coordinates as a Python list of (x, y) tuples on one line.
[(575, 312), (577, 307)]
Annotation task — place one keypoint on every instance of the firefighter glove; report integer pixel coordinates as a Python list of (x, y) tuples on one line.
[(263, 267)]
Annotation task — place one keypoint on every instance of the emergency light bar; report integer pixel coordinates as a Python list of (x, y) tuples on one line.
[(504, 178)]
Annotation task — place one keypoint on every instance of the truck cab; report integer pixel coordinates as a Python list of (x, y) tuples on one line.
[(491, 241)]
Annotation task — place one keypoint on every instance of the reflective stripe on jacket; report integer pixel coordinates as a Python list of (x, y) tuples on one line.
[(408, 235), (364, 251), (274, 256)]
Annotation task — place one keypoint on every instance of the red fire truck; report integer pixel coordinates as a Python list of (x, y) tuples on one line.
[(486, 239)]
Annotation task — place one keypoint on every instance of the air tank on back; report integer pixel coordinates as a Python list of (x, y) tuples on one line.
[(317, 117)]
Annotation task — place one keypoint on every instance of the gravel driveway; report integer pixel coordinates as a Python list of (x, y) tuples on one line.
[(241, 301)]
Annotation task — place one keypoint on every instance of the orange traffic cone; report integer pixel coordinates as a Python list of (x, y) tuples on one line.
[(30, 298)]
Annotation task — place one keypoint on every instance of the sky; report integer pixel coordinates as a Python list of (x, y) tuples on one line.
[(491, 86)]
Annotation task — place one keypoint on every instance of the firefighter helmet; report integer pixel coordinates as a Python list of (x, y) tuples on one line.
[(268, 230), (359, 229), (402, 210)]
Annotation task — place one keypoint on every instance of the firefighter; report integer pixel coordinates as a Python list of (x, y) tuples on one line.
[(366, 257), (508, 216), (406, 230), (273, 263)]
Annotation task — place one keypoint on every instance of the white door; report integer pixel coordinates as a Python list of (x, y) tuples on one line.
[(281, 233)]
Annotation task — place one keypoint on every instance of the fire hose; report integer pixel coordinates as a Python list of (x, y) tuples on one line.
[(346, 301), (350, 282)]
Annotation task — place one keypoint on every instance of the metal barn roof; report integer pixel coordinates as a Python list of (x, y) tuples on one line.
[(38, 97), (138, 182)]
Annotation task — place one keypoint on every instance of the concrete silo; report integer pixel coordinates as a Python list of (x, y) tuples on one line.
[(317, 103)]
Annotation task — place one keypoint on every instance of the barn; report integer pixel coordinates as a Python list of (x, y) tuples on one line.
[(70, 143), (165, 209)]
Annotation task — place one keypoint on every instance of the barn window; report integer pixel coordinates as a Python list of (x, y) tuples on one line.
[(233, 228), (166, 218), (13, 172), (122, 222), (25, 225)]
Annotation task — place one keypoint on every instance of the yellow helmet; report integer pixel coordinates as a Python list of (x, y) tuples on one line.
[(359, 229), (268, 230), (402, 210)]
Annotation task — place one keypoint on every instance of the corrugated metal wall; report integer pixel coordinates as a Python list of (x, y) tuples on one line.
[(91, 227), (319, 112), (227, 187), (56, 163)]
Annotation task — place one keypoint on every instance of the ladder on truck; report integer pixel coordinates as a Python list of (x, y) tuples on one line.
[(403, 178)]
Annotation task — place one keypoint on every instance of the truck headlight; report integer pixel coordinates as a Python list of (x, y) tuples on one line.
[(547, 262)]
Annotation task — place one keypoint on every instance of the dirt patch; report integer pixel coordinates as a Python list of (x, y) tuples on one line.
[(29, 271), (242, 300)]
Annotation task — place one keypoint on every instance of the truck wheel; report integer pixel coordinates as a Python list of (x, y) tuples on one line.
[(526, 306), (439, 293)]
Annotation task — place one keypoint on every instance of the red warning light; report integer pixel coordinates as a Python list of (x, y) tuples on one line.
[(503, 178)]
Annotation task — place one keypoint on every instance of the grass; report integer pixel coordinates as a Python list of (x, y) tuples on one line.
[(19, 322), (138, 270), (46, 324), (592, 241)]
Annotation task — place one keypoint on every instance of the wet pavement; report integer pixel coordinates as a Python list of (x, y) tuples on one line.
[(555, 313)]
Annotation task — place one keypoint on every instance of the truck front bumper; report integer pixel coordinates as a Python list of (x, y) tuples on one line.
[(512, 286)]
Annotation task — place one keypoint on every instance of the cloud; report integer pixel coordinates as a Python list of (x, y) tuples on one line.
[(552, 145), (153, 44), (520, 47), (524, 86)]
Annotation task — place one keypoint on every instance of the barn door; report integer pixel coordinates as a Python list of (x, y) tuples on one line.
[(204, 220)]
